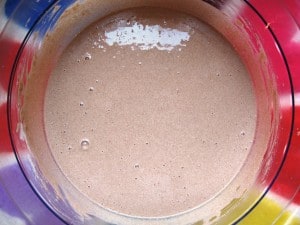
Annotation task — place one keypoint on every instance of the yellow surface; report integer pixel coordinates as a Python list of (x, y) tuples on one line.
[(269, 212)]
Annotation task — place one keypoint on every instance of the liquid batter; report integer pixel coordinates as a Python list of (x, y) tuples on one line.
[(149, 112)]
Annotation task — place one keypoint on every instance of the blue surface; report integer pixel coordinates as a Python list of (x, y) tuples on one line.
[(19, 204), (28, 10)]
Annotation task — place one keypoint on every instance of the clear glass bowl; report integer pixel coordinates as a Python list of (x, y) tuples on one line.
[(258, 38)]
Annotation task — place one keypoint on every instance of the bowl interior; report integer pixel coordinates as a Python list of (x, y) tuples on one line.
[(243, 28)]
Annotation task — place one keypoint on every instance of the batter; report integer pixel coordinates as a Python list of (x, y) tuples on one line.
[(149, 112)]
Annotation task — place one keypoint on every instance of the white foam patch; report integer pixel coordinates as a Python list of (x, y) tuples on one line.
[(147, 37), (7, 159), (3, 18), (7, 219), (3, 95), (287, 204), (296, 37), (13, 31)]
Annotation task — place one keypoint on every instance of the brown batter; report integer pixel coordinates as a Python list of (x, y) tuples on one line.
[(149, 112)]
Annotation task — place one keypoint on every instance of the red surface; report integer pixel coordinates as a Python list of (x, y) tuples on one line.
[(8, 50), (285, 26)]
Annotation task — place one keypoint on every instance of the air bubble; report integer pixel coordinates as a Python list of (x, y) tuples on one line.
[(87, 56), (85, 143), (140, 63)]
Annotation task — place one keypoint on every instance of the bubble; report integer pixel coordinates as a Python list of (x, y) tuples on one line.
[(140, 63), (87, 56), (85, 143)]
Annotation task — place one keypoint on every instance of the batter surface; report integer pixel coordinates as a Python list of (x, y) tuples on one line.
[(149, 112)]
